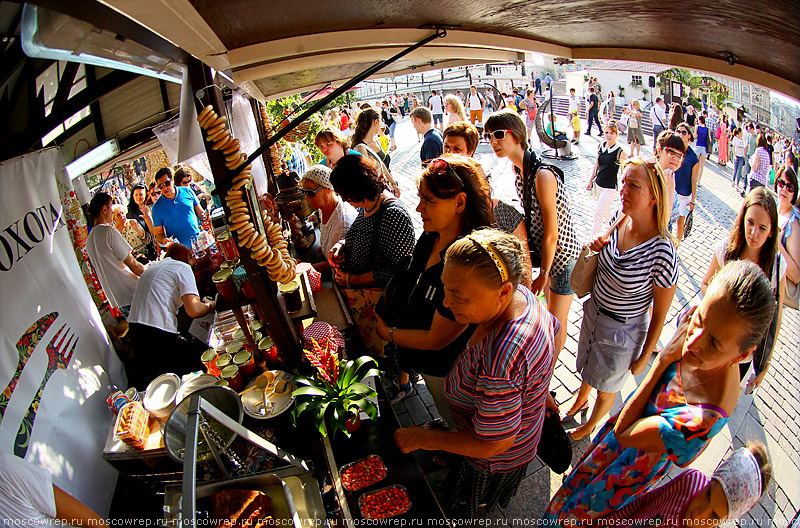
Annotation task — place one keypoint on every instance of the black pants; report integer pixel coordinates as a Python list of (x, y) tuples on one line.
[(156, 352), (594, 119)]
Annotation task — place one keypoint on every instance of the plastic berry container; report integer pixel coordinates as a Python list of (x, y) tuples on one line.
[(383, 503), (362, 473)]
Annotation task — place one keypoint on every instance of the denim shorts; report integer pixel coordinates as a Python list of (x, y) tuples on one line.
[(700, 151), (559, 283)]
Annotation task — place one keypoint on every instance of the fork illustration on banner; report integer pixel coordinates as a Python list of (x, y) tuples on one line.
[(25, 347), (57, 358)]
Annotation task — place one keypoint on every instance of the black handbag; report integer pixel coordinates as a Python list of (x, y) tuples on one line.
[(761, 353), (531, 165), (555, 447)]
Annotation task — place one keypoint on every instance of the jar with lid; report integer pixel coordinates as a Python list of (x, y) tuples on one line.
[(228, 245), (247, 365), (268, 349), (223, 360), (223, 280), (209, 358), (234, 377)]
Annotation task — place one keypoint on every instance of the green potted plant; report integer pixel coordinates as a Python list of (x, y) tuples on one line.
[(335, 394)]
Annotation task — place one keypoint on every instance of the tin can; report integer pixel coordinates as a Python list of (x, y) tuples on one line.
[(268, 349), (223, 360), (223, 280), (234, 377), (116, 401), (247, 365), (132, 394), (209, 357)]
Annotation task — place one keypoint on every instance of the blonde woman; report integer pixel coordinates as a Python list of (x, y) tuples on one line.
[(637, 268), (455, 109)]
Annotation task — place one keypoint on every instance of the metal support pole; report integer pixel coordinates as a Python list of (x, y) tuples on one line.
[(439, 33), (190, 462)]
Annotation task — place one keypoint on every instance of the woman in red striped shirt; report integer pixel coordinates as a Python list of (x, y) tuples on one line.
[(497, 388)]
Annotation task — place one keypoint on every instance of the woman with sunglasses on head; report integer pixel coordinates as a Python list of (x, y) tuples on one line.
[(686, 178), (604, 175), (637, 268), (153, 194), (789, 221), (755, 237), (462, 138), (496, 390), (336, 215), (454, 199), (548, 210), (684, 400)]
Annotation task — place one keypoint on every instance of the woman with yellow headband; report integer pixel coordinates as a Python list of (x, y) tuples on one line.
[(497, 388)]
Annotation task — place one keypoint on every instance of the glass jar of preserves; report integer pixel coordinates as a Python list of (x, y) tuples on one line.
[(228, 245), (209, 357), (247, 365), (234, 378), (223, 360), (223, 280)]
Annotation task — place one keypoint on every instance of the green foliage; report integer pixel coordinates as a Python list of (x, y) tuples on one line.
[(276, 109), (621, 89), (645, 91), (333, 402)]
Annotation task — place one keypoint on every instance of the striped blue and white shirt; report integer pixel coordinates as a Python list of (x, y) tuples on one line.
[(498, 387), (624, 281)]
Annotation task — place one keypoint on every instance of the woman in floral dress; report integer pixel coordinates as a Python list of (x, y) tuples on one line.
[(683, 402)]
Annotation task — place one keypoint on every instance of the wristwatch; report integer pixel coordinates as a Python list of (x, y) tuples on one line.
[(391, 334)]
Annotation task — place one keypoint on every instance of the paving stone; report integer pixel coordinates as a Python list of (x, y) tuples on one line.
[(405, 419), (417, 410), (780, 499)]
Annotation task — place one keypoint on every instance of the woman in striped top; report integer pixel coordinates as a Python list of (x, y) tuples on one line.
[(497, 388), (638, 266)]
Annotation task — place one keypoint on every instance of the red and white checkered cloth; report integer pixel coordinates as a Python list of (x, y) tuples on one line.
[(314, 277), (322, 332)]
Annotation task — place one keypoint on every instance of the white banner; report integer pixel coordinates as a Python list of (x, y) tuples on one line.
[(55, 356)]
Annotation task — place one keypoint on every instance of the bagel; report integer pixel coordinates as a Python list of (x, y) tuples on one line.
[(244, 175), (219, 120), (235, 218), (212, 131), (240, 183), (237, 225), (233, 156), (259, 253), (243, 225), (222, 141), (238, 207), (233, 147), (249, 236), (234, 193), (218, 133), (204, 112), (207, 120)]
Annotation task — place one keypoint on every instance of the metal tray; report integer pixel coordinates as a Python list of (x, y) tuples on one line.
[(308, 510)]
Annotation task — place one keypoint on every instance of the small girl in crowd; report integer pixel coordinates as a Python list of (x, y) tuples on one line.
[(576, 127), (693, 499)]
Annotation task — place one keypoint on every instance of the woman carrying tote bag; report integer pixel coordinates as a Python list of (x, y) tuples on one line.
[(637, 267)]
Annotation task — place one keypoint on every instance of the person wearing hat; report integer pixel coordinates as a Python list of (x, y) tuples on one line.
[(336, 215), (693, 499)]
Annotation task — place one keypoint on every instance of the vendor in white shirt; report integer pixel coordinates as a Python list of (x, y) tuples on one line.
[(163, 288), (28, 497)]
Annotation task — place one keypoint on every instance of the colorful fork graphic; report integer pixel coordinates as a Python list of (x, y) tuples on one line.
[(25, 347), (57, 358)]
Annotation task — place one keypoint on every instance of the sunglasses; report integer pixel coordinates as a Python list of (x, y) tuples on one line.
[(497, 134), (672, 153), (441, 167), (165, 184), (682, 132), (783, 184), (310, 193)]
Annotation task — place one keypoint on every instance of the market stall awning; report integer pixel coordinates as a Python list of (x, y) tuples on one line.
[(279, 48)]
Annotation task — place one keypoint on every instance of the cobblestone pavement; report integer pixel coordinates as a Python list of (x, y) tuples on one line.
[(771, 415)]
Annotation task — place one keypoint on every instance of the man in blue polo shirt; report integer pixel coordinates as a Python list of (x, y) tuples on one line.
[(176, 213), (432, 143)]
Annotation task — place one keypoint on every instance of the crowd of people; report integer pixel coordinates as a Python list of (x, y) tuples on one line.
[(478, 304)]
